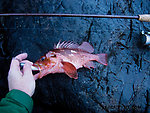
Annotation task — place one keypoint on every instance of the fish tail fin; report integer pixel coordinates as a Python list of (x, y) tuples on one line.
[(102, 58)]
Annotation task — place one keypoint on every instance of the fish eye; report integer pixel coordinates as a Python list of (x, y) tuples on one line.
[(43, 58)]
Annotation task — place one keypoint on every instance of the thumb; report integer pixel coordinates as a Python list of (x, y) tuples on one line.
[(27, 71)]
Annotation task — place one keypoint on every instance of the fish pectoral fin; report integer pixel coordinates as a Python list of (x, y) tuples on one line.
[(70, 70), (89, 65)]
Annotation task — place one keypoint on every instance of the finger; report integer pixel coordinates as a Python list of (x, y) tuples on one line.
[(22, 63), (27, 71), (15, 63), (27, 61), (21, 56), (14, 66)]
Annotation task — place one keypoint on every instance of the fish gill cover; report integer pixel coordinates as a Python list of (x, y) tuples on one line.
[(122, 86)]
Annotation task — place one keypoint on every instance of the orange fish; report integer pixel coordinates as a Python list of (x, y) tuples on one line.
[(67, 57)]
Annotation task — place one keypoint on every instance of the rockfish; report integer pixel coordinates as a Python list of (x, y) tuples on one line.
[(67, 57)]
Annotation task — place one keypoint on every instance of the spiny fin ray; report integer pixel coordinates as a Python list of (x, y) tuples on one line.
[(65, 44)]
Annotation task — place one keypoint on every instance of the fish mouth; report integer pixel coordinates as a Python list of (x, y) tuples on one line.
[(35, 67)]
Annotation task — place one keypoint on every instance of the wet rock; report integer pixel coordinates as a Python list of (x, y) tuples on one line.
[(123, 85)]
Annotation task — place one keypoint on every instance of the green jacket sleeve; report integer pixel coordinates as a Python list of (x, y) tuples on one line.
[(16, 101)]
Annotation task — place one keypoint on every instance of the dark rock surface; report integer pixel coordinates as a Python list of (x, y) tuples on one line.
[(123, 85)]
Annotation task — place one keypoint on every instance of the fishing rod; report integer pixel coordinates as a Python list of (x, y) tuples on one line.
[(142, 17)]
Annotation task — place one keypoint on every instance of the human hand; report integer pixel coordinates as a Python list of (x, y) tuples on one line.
[(21, 79)]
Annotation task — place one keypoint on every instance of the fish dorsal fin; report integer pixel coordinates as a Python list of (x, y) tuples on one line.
[(70, 70), (65, 44), (86, 47)]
